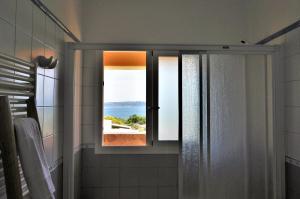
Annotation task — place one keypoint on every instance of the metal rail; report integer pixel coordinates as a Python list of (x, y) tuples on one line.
[(56, 20), (16, 68), (279, 33), (15, 76)]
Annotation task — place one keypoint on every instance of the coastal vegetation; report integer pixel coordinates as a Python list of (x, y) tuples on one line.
[(134, 121)]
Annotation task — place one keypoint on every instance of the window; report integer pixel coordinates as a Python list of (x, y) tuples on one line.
[(124, 121), (168, 98), (140, 99)]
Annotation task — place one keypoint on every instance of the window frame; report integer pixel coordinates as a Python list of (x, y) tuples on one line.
[(153, 145), (156, 54)]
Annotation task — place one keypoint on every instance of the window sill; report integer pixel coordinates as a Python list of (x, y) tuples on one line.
[(158, 148)]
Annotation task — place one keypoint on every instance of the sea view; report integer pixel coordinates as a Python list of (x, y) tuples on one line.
[(124, 109)]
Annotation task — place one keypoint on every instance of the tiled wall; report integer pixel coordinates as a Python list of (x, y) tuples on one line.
[(25, 32), (129, 176), (119, 176), (90, 70), (292, 112)]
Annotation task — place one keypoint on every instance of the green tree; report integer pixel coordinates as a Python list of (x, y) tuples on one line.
[(135, 119)]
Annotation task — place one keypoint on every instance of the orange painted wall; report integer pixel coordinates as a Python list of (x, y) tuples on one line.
[(125, 58)]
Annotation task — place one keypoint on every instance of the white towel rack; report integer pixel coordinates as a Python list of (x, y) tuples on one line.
[(17, 99)]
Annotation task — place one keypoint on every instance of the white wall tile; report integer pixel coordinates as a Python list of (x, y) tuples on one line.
[(90, 58), (38, 49), (88, 96), (106, 193), (88, 78), (48, 146), (148, 176), (58, 124), (130, 161), (48, 121), (168, 176), (39, 24), (50, 33), (292, 97), (24, 16), (40, 111), (87, 134), (292, 119), (292, 145), (89, 177), (108, 161), (59, 69), (59, 35), (148, 193), (292, 69), (58, 93), (7, 38), (48, 53), (48, 91), (167, 193), (40, 90), (8, 10), (56, 121), (88, 113), (23, 46), (129, 193), (57, 146), (292, 44), (168, 161), (87, 193), (129, 176), (108, 177)]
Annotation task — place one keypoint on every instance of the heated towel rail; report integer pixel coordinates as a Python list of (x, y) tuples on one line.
[(17, 99)]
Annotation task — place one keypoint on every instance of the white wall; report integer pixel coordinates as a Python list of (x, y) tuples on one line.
[(69, 12), (265, 17), (164, 21), (26, 32)]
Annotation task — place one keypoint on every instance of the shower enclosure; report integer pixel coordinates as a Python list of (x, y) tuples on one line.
[(230, 135), (231, 143)]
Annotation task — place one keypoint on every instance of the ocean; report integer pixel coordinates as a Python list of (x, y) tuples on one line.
[(124, 109)]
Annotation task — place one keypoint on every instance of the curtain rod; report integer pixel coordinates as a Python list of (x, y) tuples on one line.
[(279, 33), (57, 21)]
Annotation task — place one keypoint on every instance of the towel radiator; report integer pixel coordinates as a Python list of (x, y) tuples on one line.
[(17, 99)]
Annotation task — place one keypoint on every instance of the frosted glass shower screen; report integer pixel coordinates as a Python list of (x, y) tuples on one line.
[(191, 102), (226, 127)]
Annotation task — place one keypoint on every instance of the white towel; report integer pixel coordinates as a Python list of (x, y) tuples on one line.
[(33, 159)]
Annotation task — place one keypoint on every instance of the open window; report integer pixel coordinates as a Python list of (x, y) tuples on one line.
[(124, 98), (140, 98)]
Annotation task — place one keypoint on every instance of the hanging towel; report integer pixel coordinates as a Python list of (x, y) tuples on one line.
[(33, 159)]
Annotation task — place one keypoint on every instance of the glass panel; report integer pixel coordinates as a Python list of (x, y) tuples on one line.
[(228, 127), (168, 98), (190, 126), (124, 122)]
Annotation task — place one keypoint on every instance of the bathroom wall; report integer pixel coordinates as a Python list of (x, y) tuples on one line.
[(25, 32), (262, 20), (164, 21), (292, 112), (69, 12), (265, 17), (129, 176), (118, 176)]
